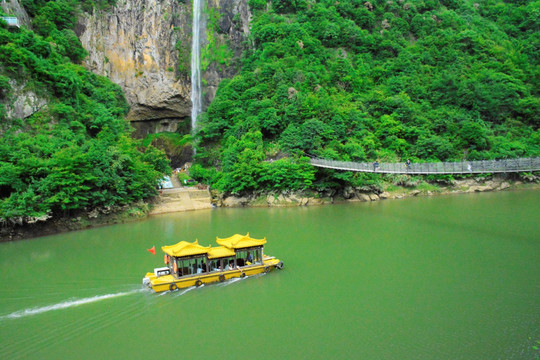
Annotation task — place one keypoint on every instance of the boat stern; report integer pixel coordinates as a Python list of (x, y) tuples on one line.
[(270, 262)]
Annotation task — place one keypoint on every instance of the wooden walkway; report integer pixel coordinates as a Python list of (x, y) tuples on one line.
[(465, 167)]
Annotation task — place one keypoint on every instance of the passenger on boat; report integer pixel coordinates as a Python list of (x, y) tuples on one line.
[(249, 259)]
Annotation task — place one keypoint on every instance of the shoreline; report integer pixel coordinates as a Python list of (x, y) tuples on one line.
[(405, 187), (207, 199)]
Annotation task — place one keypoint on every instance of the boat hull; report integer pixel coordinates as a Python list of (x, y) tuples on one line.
[(171, 283)]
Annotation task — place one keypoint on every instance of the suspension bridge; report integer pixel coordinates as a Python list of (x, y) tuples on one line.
[(464, 167)]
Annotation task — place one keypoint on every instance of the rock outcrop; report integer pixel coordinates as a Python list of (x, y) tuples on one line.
[(22, 102), (350, 194), (144, 46), (232, 31), (25, 101), (133, 44), (14, 8)]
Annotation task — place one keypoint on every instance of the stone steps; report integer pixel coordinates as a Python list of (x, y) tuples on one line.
[(183, 199)]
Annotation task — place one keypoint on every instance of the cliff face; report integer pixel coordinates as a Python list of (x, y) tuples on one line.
[(133, 44), (14, 8), (145, 47), (231, 30), (23, 102)]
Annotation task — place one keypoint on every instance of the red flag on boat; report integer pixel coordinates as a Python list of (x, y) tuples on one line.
[(152, 250)]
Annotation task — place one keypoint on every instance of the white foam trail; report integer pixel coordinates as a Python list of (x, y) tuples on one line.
[(182, 292), (233, 280), (64, 305)]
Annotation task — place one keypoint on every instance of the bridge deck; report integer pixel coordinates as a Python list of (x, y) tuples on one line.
[(466, 167)]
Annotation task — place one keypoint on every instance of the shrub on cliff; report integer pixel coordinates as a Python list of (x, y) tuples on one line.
[(75, 152)]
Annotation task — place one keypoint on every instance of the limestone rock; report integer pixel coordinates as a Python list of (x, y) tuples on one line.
[(292, 91), (281, 199), (233, 30), (298, 199), (93, 214), (135, 44), (504, 185), (26, 102), (233, 201), (315, 201), (14, 8), (363, 197), (385, 195), (480, 188), (348, 192)]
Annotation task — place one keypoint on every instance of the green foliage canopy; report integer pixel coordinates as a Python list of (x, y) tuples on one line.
[(75, 153), (389, 80)]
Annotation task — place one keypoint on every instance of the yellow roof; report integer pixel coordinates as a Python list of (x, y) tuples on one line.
[(184, 248), (219, 252), (238, 241)]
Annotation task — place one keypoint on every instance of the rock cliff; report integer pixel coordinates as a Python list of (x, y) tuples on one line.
[(14, 8), (230, 30), (144, 46), (23, 102)]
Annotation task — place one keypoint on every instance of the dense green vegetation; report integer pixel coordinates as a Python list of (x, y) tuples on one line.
[(428, 80), (75, 152), (354, 80)]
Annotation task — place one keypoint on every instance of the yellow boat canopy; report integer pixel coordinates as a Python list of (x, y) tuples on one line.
[(238, 241), (184, 248), (220, 252)]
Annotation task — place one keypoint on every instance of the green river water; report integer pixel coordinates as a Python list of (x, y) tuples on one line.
[(453, 277)]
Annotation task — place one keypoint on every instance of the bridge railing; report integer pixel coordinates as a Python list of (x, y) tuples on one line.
[(472, 167)]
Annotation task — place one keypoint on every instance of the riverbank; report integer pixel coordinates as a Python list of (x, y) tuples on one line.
[(191, 199), (75, 221), (400, 187), (176, 199)]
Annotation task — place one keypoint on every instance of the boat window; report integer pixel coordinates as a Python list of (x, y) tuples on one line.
[(214, 265), (249, 257), (241, 258), (257, 256), (228, 263), (200, 265), (183, 267), (191, 266)]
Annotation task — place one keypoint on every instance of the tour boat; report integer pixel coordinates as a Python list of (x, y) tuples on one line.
[(190, 264)]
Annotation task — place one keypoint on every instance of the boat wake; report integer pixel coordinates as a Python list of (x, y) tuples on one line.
[(236, 279), (179, 292), (65, 305)]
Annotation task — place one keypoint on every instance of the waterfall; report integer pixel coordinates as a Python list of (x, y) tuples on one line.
[(196, 65)]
